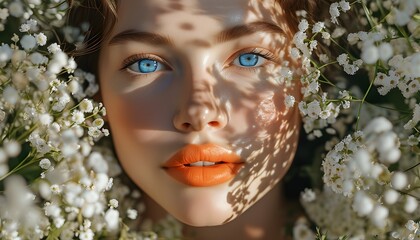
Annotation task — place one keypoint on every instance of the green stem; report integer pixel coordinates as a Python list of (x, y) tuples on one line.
[(18, 167), (364, 98)]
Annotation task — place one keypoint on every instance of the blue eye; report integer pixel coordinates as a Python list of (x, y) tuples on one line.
[(249, 60), (146, 65)]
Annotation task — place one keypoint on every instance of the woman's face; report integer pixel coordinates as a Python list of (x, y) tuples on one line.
[(195, 93)]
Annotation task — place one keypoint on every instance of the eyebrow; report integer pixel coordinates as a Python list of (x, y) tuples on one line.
[(248, 29), (147, 37), (226, 35)]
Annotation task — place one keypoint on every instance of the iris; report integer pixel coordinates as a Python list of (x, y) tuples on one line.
[(248, 59), (146, 65)]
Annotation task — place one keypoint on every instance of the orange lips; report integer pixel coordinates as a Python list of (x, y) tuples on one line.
[(203, 165)]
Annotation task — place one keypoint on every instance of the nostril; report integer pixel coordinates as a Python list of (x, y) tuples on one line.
[(186, 125), (214, 124)]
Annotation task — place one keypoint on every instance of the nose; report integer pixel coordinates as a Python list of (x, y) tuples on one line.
[(200, 110)]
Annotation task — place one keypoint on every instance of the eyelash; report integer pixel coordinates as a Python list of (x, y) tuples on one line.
[(257, 51), (266, 54), (135, 58)]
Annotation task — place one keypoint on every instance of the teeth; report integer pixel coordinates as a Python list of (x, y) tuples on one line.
[(202, 163)]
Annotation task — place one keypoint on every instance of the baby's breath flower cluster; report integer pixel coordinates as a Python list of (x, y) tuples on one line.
[(56, 182), (371, 174)]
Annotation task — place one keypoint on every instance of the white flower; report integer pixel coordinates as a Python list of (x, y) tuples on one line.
[(299, 38), (318, 27), (4, 169), (324, 58), (16, 9), (412, 226), (390, 156), (4, 13), (37, 58), (10, 95), (94, 132), (54, 48), (28, 42), (303, 25), (362, 204), (345, 6), (377, 125), (132, 213), (334, 12), (113, 203), (363, 161), (399, 180), (386, 141), (370, 54), (32, 24), (338, 32), (289, 101), (362, 35), (401, 17), (45, 119), (78, 116), (302, 232), (59, 222), (411, 204), (105, 132), (45, 163), (52, 210), (385, 51), (326, 35), (87, 234), (391, 196), (112, 219), (12, 148), (24, 27), (5, 53), (41, 39), (97, 162), (56, 189), (343, 59), (379, 215), (99, 122), (308, 195), (352, 38), (86, 105), (294, 53), (71, 65), (413, 140), (3, 156), (314, 109)]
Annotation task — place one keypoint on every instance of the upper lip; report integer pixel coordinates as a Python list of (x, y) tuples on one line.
[(209, 152)]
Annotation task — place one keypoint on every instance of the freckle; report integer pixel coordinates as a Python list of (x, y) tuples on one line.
[(176, 6), (186, 26)]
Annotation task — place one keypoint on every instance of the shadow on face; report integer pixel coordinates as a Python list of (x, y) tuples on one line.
[(184, 72)]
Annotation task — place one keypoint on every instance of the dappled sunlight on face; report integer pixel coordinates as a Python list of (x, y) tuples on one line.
[(176, 73)]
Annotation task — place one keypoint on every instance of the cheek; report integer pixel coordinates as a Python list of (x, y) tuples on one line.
[(266, 112)]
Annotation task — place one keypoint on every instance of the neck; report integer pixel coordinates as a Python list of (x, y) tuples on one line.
[(266, 220)]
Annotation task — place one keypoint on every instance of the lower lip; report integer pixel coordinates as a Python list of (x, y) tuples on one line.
[(205, 176)]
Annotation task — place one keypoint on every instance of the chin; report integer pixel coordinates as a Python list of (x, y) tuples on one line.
[(203, 209)]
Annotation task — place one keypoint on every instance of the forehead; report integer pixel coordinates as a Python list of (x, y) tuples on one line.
[(192, 16)]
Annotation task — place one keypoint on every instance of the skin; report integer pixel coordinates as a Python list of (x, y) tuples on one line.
[(202, 96)]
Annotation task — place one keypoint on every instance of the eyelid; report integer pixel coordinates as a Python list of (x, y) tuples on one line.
[(136, 57)]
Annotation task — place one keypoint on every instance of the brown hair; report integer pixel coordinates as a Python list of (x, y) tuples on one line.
[(102, 15)]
